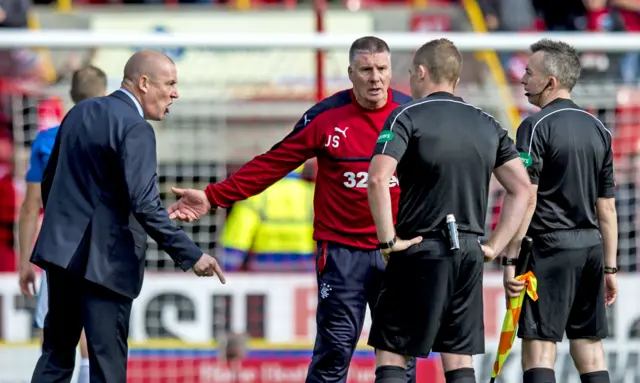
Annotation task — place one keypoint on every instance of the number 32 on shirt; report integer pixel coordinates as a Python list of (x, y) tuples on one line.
[(359, 180)]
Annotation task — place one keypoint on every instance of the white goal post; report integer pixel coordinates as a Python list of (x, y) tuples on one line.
[(601, 42)]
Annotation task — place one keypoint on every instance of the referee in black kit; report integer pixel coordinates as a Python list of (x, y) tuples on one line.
[(445, 151), (571, 219)]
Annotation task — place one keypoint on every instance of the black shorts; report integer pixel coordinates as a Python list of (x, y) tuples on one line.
[(431, 300), (569, 266)]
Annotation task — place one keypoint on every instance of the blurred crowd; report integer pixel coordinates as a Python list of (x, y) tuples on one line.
[(586, 16), (255, 237)]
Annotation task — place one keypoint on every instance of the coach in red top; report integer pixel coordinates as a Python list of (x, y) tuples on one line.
[(341, 131)]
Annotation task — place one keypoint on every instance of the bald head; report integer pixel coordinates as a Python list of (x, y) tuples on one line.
[(145, 63), (152, 78)]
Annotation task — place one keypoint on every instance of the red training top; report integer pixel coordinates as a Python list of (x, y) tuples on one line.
[(342, 135)]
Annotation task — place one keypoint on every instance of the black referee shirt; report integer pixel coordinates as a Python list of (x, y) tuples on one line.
[(567, 153), (446, 151)]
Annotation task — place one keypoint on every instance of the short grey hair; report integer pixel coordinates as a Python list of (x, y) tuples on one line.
[(368, 44), (560, 60)]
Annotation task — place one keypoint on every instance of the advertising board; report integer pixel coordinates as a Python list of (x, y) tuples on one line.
[(280, 308), (260, 366)]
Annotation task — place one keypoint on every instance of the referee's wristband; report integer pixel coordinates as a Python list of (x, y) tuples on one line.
[(610, 270), (509, 261)]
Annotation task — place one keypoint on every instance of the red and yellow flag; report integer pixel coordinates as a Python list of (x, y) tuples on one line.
[(510, 322)]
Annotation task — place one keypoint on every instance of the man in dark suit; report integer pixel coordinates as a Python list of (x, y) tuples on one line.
[(100, 196)]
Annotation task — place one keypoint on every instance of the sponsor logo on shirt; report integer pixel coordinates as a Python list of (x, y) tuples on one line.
[(385, 136)]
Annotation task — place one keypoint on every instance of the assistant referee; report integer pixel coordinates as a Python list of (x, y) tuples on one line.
[(567, 153), (445, 151)]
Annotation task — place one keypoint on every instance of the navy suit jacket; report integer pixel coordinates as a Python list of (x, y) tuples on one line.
[(100, 196)]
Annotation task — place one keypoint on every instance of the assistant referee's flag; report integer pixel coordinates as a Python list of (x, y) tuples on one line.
[(514, 306)]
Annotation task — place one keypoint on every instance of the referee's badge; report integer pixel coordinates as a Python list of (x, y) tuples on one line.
[(526, 159), (385, 136)]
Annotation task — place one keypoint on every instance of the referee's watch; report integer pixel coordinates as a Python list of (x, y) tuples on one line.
[(509, 261), (387, 245), (610, 270)]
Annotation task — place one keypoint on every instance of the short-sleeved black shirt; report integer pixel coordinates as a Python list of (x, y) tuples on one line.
[(567, 152), (446, 151)]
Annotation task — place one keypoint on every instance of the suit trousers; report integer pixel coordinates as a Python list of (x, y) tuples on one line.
[(75, 303)]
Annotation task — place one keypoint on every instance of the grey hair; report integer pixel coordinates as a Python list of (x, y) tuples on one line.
[(560, 60), (368, 44)]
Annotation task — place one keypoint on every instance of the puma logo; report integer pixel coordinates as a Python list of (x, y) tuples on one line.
[(343, 132)]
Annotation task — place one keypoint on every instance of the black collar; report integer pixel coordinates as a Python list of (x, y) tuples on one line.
[(561, 102), (444, 95)]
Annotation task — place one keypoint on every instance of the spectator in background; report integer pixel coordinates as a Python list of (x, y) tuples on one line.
[(508, 15), (598, 16), (626, 15), (8, 205), (272, 231), (20, 63), (21, 73), (598, 66), (13, 13), (28, 64), (564, 15)]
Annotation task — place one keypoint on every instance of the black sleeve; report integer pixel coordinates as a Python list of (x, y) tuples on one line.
[(139, 163), (606, 182), (530, 143), (396, 133), (506, 148)]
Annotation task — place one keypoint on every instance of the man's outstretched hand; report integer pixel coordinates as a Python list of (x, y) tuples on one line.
[(207, 266), (192, 205)]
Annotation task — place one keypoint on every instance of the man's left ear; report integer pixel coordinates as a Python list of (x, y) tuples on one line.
[(422, 72), (144, 84)]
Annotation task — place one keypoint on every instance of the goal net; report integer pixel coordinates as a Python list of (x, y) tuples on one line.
[(239, 95)]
